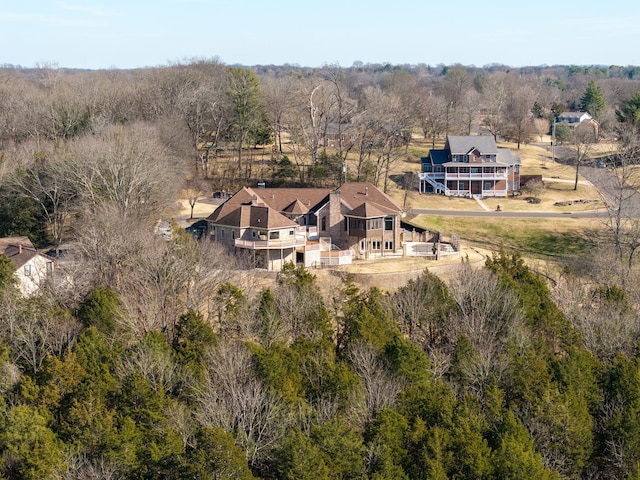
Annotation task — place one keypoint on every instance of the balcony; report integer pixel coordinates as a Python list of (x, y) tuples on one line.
[(271, 244), (477, 176), (424, 175)]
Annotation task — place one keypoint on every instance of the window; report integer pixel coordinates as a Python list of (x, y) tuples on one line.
[(375, 245), (346, 224), (388, 223), (461, 186), (374, 224), (253, 233), (291, 233), (274, 235), (233, 234), (388, 244), (324, 223), (27, 270), (222, 233), (487, 185)]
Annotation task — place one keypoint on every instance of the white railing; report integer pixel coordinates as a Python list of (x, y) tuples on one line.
[(435, 184), (336, 257), (269, 244), (432, 175), (485, 175)]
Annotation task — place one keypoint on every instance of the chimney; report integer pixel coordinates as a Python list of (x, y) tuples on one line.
[(366, 191), (254, 200), (19, 249)]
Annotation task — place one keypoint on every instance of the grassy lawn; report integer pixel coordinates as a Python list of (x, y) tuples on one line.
[(533, 237)]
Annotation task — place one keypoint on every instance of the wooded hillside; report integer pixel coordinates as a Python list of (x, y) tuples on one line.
[(148, 358)]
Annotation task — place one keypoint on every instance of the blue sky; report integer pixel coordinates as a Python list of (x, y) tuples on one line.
[(136, 33)]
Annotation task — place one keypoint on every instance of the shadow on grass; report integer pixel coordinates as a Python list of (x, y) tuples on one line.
[(572, 243)]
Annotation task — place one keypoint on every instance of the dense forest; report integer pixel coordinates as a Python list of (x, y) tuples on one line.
[(144, 357), (483, 377)]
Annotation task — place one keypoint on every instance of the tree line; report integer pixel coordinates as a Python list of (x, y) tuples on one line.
[(73, 143), (216, 114), (489, 375)]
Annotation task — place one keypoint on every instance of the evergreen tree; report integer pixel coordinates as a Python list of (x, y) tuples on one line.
[(592, 101), (7, 280), (100, 309), (629, 111)]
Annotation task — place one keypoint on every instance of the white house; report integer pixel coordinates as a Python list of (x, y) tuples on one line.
[(32, 266), (580, 120)]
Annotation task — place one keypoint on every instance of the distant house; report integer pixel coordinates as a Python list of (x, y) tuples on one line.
[(574, 118), (334, 133), (311, 226), (470, 165), (579, 120), (32, 267)]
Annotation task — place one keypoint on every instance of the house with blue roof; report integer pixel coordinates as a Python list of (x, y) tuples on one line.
[(468, 166)]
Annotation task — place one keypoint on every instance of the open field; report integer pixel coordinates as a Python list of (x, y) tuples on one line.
[(534, 237)]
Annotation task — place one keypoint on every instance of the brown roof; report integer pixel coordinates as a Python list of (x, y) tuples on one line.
[(296, 207), (367, 210), (281, 198), (356, 194), (244, 216), (19, 249), (247, 207)]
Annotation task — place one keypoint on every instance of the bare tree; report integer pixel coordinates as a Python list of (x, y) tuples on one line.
[(391, 121), (432, 110), (343, 106), (46, 183), (154, 362), (606, 326), (126, 168), (309, 117), (34, 329), (495, 97), (194, 190), (622, 202), (517, 113), (541, 127), (379, 387), (202, 107), (421, 306), (469, 109), (488, 317), (234, 398), (534, 188), (277, 99), (582, 140)]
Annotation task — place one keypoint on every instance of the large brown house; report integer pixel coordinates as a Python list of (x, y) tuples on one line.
[(308, 225)]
